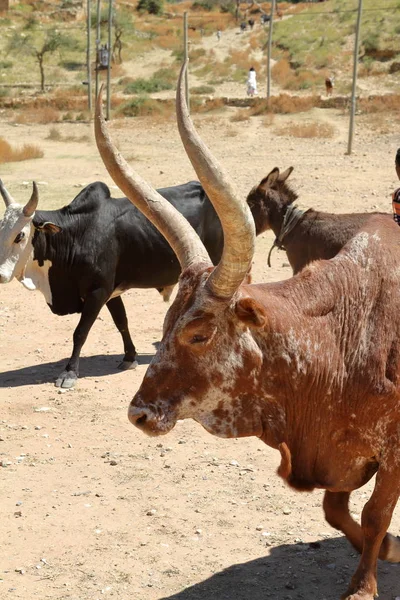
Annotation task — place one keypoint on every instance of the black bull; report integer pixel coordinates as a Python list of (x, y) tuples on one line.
[(106, 246)]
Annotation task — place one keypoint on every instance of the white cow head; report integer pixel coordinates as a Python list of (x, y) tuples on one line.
[(16, 232)]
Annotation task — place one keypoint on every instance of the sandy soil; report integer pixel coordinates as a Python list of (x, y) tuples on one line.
[(89, 507)]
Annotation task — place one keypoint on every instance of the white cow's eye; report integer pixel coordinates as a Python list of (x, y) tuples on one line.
[(19, 237)]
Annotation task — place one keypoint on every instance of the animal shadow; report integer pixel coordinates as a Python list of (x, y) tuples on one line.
[(89, 366), (320, 570)]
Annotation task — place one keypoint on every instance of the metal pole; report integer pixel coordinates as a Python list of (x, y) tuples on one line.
[(186, 57), (353, 91), (271, 21), (97, 45), (110, 7), (88, 52)]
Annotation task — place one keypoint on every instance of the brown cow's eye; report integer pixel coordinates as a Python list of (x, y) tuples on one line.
[(198, 339), (19, 237)]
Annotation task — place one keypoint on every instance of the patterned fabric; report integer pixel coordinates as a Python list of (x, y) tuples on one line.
[(396, 206)]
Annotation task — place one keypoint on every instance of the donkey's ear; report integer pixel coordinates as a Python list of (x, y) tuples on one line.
[(250, 312), (270, 179), (285, 174)]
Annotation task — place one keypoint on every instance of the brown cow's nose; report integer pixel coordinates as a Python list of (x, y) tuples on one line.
[(138, 416)]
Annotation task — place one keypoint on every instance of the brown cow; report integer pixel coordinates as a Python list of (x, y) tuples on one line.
[(309, 365), (305, 235)]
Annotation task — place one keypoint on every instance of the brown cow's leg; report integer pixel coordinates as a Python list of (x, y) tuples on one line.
[(336, 508), (375, 520)]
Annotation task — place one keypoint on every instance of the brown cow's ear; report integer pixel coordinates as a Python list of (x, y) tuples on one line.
[(250, 312), (48, 227)]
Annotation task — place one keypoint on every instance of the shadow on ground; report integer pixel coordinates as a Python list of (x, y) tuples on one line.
[(89, 366), (292, 572)]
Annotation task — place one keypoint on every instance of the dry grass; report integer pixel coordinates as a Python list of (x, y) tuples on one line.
[(56, 136), (231, 132), (268, 120), (284, 104), (10, 154), (240, 115), (198, 106), (376, 104), (43, 115), (306, 130)]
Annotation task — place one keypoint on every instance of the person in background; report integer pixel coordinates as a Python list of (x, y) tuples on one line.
[(396, 193), (218, 34), (252, 82)]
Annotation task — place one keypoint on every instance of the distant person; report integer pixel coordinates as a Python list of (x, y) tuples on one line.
[(396, 193), (251, 23), (252, 82), (218, 34), (243, 26), (329, 82)]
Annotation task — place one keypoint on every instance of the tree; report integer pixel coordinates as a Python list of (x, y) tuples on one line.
[(31, 45)]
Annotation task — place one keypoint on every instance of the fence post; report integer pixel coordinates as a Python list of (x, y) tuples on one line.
[(97, 46), (110, 8), (88, 52), (269, 50), (353, 91)]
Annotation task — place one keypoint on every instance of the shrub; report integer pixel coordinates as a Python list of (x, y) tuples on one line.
[(202, 89), (139, 107), (54, 134), (10, 154), (153, 7), (6, 64), (203, 5)]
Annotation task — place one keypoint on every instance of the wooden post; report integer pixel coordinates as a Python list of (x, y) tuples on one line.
[(110, 9), (353, 91), (88, 52), (270, 50), (97, 45)]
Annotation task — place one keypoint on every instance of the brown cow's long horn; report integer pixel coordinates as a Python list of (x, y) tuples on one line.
[(175, 228), (237, 221), (8, 199), (32, 203)]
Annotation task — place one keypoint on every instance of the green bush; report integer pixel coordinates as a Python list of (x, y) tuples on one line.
[(153, 7), (6, 64), (203, 5), (163, 79), (202, 89), (371, 42), (139, 107)]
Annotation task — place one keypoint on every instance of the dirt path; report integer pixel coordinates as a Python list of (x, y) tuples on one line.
[(89, 507)]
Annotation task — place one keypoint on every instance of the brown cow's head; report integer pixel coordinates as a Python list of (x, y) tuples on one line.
[(208, 363)]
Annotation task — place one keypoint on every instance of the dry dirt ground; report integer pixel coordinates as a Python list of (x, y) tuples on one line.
[(92, 509)]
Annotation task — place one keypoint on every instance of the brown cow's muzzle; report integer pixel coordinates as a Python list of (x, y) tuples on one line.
[(150, 420)]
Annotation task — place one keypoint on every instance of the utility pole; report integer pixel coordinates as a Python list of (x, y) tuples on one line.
[(88, 52), (186, 57), (97, 45), (271, 21), (353, 91), (110, 10)]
